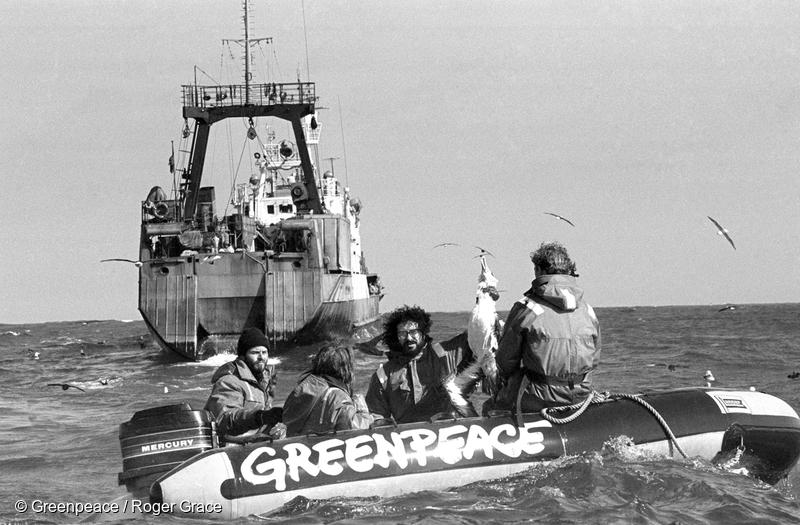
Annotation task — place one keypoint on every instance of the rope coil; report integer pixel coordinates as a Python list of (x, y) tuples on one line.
[(602, 397)]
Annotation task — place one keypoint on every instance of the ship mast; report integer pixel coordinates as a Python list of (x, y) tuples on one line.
[(247, 75), (246, 43), (290, 101)]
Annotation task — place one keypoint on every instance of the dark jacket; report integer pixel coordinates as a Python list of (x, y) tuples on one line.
[(237, 397), (552, 340), (321, 404), (412, 388)]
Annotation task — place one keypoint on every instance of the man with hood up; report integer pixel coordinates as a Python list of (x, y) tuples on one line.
[(551, 341), (241, 400)]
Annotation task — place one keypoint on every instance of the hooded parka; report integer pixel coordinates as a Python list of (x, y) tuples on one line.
[(550, 346)]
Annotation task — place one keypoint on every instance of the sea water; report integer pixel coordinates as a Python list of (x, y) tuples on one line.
[(61, 447)]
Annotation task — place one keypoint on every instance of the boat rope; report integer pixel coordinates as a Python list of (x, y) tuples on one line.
[(601, 397)]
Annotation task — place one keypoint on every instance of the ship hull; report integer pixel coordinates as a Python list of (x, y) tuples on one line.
[(196, 306)]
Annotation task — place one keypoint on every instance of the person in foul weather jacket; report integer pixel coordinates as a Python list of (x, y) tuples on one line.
[(323, 400), (551, 341), (412, 385), (240, 399)]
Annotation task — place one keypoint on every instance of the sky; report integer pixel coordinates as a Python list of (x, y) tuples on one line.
[(453, 121)]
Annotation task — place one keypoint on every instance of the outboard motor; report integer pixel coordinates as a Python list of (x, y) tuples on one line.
[(158, 439)]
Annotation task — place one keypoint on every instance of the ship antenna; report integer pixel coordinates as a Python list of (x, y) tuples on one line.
[(246, 51), (305, 35), (344, 151), (246, 42), (331, 159)]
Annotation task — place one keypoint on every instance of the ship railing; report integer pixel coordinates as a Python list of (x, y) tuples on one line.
[(312, 135), (331, 187), (274, 158), (195, 96)]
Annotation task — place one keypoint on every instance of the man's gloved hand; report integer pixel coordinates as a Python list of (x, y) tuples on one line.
[(268, 418)]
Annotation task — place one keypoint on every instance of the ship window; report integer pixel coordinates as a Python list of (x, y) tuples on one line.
[(270, 208), (163, 270), (296, 264), (286, 208)]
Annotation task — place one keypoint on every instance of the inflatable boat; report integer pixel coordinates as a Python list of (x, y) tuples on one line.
[(173, 454)]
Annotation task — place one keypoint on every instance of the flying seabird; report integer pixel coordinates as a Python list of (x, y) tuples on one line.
[(560, 217), (483, 252), (138, 264), (445, 244), (722, 231), (65, 386)]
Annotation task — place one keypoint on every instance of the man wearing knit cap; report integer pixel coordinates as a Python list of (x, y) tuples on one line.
[(551, 341), (241, 400)]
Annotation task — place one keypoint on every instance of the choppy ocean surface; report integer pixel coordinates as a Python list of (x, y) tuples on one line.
[(61, 446)]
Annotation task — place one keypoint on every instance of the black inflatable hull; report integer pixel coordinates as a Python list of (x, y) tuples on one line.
[(236, 481)]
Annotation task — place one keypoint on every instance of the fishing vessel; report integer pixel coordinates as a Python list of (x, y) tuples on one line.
[(174, 453), (283, 254)]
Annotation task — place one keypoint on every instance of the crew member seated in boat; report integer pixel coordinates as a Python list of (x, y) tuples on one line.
[(323, 400), (241, 398), (551, 340), (412, 385)]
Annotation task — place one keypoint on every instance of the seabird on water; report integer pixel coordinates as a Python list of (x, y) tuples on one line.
[(722, 231), (731, 307), (138, 264), (560, 217), (65, 386)]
